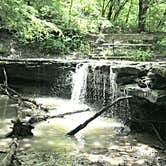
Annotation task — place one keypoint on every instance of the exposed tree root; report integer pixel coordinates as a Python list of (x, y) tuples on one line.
[(20, 129)]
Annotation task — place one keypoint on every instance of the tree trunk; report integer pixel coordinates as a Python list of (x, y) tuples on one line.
[(143, 7), (117, 12), (110, 9), (128, 13), (103, 9)]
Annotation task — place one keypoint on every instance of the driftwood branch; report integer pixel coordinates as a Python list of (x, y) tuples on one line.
[(104, 109), (11, 93), (28, 103), (22, 128), (44, 118)]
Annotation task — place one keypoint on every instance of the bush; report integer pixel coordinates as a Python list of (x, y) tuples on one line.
[(3, 49), (140, 55)]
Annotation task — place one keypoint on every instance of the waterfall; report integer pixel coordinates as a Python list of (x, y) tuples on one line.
[(99, 86), (113, 85), (79, 83)]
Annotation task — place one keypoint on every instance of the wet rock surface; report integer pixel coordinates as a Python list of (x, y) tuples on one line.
[(145, 81)]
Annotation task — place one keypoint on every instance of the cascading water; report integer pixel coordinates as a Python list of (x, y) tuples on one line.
[(113, 85), (99, 137), (79, 83), (95, 84)]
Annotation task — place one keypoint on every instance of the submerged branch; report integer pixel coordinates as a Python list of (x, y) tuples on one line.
[(11, 93), (44, 118), (28, 103), (104, 109)]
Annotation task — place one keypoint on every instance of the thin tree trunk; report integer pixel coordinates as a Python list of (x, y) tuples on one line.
[(143, 7), (119, 10), (104, 109), (128, 14), (70, 11), (110, 9), (161, 20), (158, 135), (103, 9)]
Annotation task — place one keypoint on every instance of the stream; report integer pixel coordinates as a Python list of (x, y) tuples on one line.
[(99, 144)]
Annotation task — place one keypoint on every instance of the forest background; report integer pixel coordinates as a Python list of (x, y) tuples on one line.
[(59, 27)]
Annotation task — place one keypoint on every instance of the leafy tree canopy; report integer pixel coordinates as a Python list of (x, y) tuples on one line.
[(57, 25)]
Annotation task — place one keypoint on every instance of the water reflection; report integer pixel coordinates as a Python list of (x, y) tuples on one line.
[(8, 109)]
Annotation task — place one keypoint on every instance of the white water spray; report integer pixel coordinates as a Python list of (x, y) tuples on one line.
[(79, 83), (113, 85)]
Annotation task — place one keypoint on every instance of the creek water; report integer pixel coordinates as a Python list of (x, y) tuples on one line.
[(100, 144)]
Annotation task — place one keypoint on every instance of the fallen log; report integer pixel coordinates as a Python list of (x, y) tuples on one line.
[(33, 120), (104, 109), (22, 128)]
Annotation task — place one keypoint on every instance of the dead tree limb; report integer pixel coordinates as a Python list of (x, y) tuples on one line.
[(28, 103), (5, 76), (22, 128), (44, 118), (104, 109), (11, 93)]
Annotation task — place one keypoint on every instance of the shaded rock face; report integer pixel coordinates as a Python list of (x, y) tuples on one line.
[(39, 77), (146, 82), (106, 80)]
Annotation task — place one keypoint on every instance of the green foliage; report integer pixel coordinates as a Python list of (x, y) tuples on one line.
[(43, 23), (71, 41), (57, 26), (3, 49), (107, 52), (160, 47), (24, 21), (162, 42), (141, 55)]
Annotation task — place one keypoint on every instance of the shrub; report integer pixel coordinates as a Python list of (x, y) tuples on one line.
[(140, 55)]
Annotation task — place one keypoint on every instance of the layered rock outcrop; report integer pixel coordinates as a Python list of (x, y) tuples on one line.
[(145, 81)]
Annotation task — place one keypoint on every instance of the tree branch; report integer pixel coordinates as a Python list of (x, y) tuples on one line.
[(104, 109), (44, 118)]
